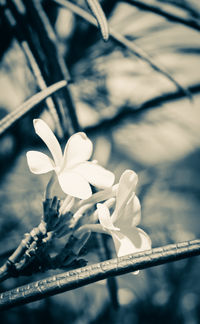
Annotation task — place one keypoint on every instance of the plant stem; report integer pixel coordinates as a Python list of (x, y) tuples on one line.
[(18, 258), (92, 273)]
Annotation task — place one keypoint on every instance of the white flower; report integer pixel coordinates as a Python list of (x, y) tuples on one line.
[(122, 224), (73, 169)]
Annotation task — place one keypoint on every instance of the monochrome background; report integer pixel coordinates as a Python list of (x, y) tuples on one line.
[(137, 119)]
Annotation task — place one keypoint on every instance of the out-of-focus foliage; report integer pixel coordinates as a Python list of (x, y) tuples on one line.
[(137, 122)]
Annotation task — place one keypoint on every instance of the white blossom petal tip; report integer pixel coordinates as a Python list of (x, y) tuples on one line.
[(77, 150), (83, 135), (39, 124), (48, 137), (35, 121), (129, 177), (38, 162), (126, 188)]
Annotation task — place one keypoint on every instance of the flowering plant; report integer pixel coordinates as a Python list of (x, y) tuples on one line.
[(122, 224), (114, 210), (73, 169)]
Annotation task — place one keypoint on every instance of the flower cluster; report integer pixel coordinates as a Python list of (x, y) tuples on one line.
[(122, 224), (114, 210), (73, 169)]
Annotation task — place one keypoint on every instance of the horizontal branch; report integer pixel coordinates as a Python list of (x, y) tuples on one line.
[(92, 273)]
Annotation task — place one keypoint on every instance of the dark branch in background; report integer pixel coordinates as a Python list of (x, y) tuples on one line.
[(40, 23), (189, 22), (134, 111), (31, 48), (11, 24), (108, 6), (140, 53), (89, 274), (48, 41), (121, 40), (31, 30), (5, 38), (187, 6), (36, 36), (85, 35), (125, 111), (105, 253), (111, 282), (28, 105)]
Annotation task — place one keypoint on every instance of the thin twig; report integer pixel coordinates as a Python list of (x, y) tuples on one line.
[(34, 32), (42, 85), (123, 41), (189, 22), (10, 22), (89, 274), (25, 34), (28, 105), (98, 13), (18, 259)]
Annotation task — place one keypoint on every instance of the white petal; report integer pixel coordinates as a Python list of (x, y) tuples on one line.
[(100, 196), (104, 217), (98, 228), (46, 134), (136, 242), (95, 174), (74, 185), (39, 162), (132, 214), (136, 211), (78, 149), (127, 186)]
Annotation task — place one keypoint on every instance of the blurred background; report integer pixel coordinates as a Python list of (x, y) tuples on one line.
[(137, 119)]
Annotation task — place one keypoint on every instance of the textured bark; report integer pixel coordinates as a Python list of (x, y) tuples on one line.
[(89, 274)]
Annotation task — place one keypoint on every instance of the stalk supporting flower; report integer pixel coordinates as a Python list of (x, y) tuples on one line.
[(122, 224), (75, 173)]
